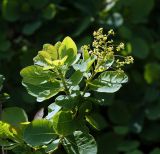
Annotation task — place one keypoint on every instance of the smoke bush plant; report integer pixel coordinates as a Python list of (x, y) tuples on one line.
[(60, 71)]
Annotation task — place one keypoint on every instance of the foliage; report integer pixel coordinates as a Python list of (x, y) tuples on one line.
[(97, 68), (130, 114)]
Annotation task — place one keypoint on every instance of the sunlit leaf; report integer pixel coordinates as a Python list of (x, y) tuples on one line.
[(40, 83), (109, 81), (68, 48)]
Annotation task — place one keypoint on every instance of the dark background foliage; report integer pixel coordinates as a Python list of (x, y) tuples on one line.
[(130, 119)]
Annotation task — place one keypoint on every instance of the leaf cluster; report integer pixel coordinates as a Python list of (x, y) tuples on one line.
[(59, 70)]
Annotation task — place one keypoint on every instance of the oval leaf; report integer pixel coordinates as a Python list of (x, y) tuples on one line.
[(63, 123), (110, 81), (39, 132), (80, 143), (14, 116), (68, 48)]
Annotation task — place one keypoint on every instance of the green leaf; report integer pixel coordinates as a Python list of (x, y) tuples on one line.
[(125, 32), (150, 133), (109, 81), (85, 54), (36, 75), (35, 4), (4, 97), (40, 83), (140, 48), (14, 116), (100, 98), (10, 10), (80, 143), (5, 45), (128, 146), (1, 81), (109, 61), (49, 12), (85, 23), (52, 110), (139, 10), (30, 28), (155, 151), (135, 152), (52, 146), (64, 123), (84, 66), (39, 132), (152, 112), (68, 48), (114, 77), (96, 120), (81, 125), (119, 114), (156, 50), (85, 107), (43, 91), (76, 78), (6, 130), (152, 72), (48, 54), (121, 130), (6, 143), (108, 142), (68, 102)]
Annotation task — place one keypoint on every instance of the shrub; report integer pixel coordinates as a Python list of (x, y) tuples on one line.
[(74, 78)]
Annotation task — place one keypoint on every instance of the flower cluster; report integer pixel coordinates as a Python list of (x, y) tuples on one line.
[(104, 48)]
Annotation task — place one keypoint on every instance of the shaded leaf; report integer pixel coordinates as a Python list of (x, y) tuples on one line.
[(140, 48), (135, 152), (128, 146), (67, 102), (49, 12), (10, 10), (76, 78), (39, 132), (63, 123), (96, 120), (1, 81), (152, 72), (121, 130), (14, 116), (30, 28), (155, 151), (51, 147), (80, 143)]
